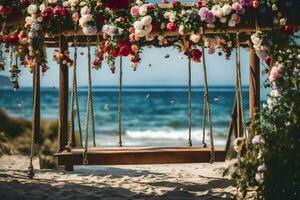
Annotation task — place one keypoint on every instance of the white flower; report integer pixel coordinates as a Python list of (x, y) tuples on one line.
[(181, 29), (262, 168), (274, 93), (82, 3), (139, 2), (282, 21), (149, 37), (162, 26), (217, 11), (259, 177), (66, 4), (52, 1), (42, 7), (32, 9), (147, 29), (140, 32), (138, 25), (231, 23), (39, 19), (258, 139), (85, 10), (172, 17), (160, 37), (89, 30), (223, 20), (167, 15), (226, 9), (28, 20), (143, 10), (147, 20), (85, 19), (195, 38), (274, 7)]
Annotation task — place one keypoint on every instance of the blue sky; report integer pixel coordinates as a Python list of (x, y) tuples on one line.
[(171, 71)]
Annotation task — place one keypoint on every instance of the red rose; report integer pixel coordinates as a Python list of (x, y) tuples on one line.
[(105, 48), (268, 61), (44, 69), (196, 55), (99, 56), (125, 48), (101, 19), (114, 53), (64, 12), (118, 4), (2, 10), (135, 59), (154, 27), (149, 7), (171, 26), (96, 62), (57, 10)]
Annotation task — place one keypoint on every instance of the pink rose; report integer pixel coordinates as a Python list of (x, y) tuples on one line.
[(134, 11), (274, 74), (75, 17), (171, 26)]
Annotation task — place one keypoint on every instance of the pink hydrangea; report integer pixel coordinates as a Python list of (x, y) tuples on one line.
[(134, 11), (274, 73), (238, 8), (206, 15)]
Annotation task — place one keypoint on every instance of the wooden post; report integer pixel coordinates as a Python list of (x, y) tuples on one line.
[(254, 87), (37, 99), (63, 101)]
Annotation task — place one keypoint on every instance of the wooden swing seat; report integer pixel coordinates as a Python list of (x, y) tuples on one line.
[(139, 155)]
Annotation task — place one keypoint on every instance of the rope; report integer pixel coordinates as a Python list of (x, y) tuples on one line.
[(212, 156), (190, 102), (74, 96), (204, 122), (89, 109), (120, 101), (30, 172), (240, 109), (59, 122)]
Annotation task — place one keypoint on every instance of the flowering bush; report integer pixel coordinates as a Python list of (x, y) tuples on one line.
[(271, 165)]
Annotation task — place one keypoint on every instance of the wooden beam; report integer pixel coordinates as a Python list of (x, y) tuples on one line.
[(140, 155), (254, 90)]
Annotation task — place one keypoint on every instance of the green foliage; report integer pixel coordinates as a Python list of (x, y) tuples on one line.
[(279, 127)]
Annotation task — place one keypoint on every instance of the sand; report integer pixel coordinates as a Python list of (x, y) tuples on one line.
[(179, 181)]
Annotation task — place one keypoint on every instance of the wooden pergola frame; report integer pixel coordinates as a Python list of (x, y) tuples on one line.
[(145, 155), (129, 156)]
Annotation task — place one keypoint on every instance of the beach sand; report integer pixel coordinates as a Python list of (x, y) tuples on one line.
[(179, 181)]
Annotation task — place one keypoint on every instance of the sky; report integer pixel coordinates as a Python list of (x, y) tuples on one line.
[(170, 71)]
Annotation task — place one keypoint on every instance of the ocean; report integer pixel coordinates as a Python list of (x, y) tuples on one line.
[(152, 116)]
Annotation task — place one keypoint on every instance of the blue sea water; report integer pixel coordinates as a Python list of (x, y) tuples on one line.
[(152, 116)]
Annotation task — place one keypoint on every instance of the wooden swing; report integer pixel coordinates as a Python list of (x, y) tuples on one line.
[(144, 155), (72, 154)]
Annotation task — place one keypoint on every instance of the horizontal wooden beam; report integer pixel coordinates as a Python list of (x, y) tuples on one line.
[(140, 155)]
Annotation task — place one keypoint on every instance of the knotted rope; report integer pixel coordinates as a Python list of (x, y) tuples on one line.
[(120, 102), (89, 109), (207, 102)]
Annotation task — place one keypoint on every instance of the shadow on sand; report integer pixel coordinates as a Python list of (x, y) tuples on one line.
[(14, 184)]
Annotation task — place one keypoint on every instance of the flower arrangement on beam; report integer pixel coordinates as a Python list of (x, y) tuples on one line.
[(125, 27)]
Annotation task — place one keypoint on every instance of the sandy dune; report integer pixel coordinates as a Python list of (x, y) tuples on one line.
[(180, 181)]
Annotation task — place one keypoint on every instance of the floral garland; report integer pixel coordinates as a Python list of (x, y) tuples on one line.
[(129, 25)]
